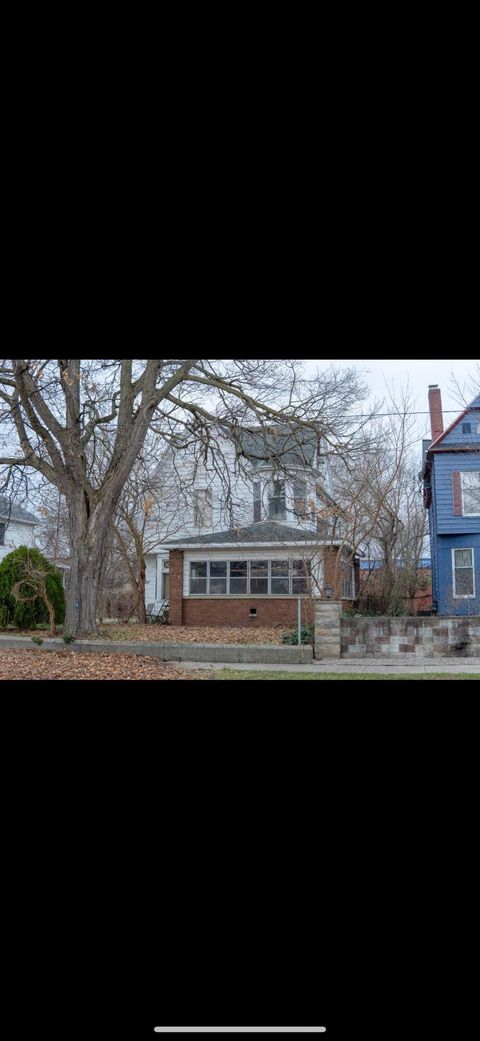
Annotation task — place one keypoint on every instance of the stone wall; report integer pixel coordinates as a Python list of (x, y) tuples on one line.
[(327, 628), (428, 637)]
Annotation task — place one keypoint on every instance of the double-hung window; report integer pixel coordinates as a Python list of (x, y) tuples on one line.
[(259, 577), (300, 498), (276, 500), (471, 493), (238, 577), (463, 566)]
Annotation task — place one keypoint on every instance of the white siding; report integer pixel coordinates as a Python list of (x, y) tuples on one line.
[(178, 479), (16, 535), (150, 578)]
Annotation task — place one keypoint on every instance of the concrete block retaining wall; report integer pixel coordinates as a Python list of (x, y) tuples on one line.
[(227, 652), (429, 637)]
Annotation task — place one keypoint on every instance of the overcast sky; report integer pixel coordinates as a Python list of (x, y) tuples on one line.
[(419, 374)]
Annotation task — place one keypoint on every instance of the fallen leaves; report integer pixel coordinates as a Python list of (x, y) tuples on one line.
[(193, 634), (23, 664)]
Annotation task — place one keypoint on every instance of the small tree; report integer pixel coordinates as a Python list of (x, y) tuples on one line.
[(31, 590)]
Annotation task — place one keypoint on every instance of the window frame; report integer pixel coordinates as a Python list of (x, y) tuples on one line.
[(282, 498), (300, 511), (469, 473), (463, 549), (288, 562)]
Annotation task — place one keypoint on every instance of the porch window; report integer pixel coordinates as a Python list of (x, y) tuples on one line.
[(198, 576), (463, 573), (471, 493), (218, 577), (348, 582), (300, 576), (280, 577), (259, 577), (276, 500), (238, 577)]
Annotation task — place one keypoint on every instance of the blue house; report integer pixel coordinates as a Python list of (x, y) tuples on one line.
[(451, 482)]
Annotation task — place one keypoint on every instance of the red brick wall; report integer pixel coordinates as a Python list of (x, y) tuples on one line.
[(176, 586), (233, 611)]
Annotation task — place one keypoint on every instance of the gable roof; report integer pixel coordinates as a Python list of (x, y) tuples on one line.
[(473, 407), (263, 532), (285, 447), (15, 513)]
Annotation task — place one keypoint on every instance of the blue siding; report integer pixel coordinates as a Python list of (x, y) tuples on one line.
[(446, 603), (456, 436), (442, 489), (447, 530)]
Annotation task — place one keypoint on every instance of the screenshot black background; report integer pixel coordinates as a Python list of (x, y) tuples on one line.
[(232, 859)]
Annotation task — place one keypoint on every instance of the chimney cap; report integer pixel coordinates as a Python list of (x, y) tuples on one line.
[(432, 386)]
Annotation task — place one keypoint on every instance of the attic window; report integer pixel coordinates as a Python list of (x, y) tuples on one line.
[(466, 428), (276, 500)]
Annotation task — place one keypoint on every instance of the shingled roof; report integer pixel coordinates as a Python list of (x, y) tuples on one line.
[(8, 511), (285, 447), (262, 532)]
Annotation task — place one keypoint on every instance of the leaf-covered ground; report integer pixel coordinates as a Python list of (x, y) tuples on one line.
[(192, 634), (174, 633), (73, 665)]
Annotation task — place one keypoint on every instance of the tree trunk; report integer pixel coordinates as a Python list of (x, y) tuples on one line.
[(142, 617), (88, 543)]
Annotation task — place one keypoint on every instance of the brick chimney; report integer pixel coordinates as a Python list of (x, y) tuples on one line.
[(436, 414)]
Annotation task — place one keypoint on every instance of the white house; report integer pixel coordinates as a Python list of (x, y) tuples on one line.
[(17, 527), (239, 545)]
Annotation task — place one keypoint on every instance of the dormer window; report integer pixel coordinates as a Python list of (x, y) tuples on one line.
[(276, 500), (466, 428)]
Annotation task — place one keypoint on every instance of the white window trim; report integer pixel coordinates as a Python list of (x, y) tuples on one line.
[(467, 473), (236, 596), (463, 596)]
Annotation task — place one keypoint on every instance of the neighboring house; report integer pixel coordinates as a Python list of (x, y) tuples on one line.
[(371, 583), (17, 527), (451, 479), (241, 551)]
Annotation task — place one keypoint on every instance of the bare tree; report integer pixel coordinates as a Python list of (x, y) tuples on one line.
[(53, 412)]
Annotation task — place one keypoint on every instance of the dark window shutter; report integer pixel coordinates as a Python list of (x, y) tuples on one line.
[(457, 494)]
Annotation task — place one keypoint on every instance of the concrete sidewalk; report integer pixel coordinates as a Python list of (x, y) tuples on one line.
[(420, 666)]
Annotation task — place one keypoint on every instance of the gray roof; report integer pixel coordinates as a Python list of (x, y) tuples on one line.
[(15, 513), (285, 447), (262, 531)]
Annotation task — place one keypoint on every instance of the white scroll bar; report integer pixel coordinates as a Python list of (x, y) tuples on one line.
[(240, 1030)]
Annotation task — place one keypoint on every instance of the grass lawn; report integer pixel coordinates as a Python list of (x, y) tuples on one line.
[(277, 674)]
